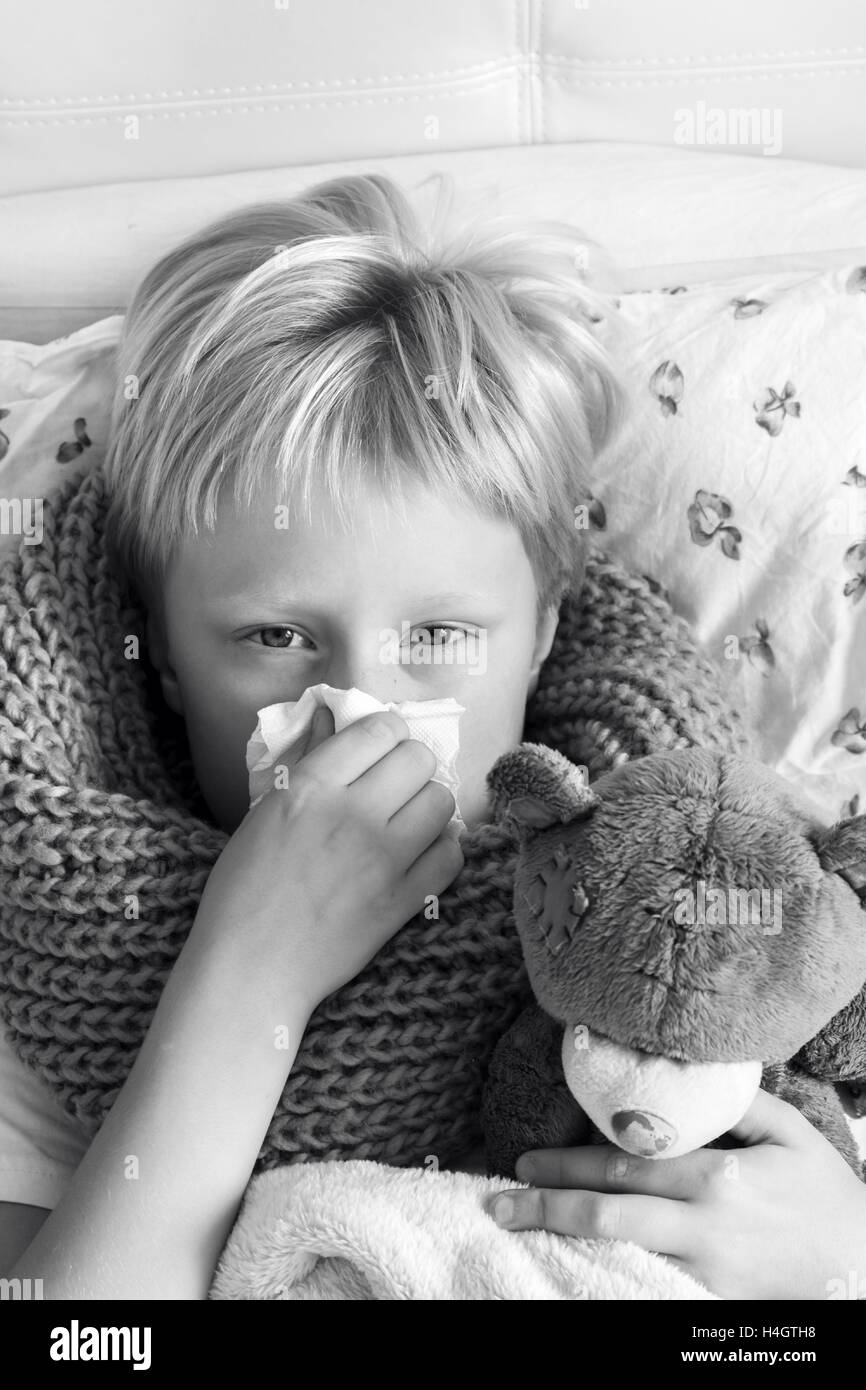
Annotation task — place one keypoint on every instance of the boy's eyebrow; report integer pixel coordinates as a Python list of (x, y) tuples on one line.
[(261, 595), (453, 596)]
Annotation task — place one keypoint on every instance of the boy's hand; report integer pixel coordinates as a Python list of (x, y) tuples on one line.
[(319, 875), (781, 1218)]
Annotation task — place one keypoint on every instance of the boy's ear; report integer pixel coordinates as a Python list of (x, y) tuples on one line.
[(157, 649), (544, 636)]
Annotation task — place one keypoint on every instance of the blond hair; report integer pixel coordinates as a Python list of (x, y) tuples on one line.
[(329, 337)]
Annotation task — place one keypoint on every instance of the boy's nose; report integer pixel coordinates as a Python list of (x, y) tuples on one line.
[(384, 681)]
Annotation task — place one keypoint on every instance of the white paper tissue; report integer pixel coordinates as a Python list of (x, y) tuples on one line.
[(282, 728)]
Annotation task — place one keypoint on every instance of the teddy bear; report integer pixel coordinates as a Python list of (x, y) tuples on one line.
[(691, 930)]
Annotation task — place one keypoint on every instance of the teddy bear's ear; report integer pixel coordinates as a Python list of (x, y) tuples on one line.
[(842, 849), (538, 787)]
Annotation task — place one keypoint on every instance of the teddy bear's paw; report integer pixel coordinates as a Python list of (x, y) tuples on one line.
[(526, 1103)]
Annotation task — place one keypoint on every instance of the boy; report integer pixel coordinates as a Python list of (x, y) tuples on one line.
[(422, 419)]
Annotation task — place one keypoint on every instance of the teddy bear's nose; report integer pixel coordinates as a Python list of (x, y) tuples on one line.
[(642, 1132)]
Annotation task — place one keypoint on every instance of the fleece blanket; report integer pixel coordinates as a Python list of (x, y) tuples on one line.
[(361, 1230)]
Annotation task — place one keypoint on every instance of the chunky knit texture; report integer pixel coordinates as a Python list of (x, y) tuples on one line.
[(98, 802)]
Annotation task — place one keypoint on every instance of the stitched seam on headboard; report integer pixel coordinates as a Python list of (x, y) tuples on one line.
[(259, 88), (518, 14), (231, 109), (523, 66), (12, 123), (574, 79), (537, 74), (390, 79), (708, 59)]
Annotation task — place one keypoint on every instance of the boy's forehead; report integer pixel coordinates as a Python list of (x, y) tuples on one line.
[(428, 548), (415, 518), (365, 506)]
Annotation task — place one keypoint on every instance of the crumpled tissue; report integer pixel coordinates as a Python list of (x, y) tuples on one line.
[(284, 728)]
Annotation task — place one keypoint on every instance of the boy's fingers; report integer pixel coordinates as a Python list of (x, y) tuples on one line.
[(652, 1222), (348, 755), (423, 816), (321, 727), (605, 1168), (434, 870)]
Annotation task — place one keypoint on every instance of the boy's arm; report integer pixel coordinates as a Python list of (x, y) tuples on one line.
[(152, 1202), (154, 1199)]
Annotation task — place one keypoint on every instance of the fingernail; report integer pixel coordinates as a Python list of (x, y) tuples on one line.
[(618, 1165), (319, 725), (523, 1167), (503, 1210)]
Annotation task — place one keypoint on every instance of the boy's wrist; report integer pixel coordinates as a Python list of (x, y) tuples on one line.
[(248, 982)]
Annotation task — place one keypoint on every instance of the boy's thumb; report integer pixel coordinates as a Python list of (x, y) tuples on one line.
[(770, 1120), (321, 727)]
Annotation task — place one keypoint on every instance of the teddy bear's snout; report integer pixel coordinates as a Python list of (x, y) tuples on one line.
[(651, 1106)]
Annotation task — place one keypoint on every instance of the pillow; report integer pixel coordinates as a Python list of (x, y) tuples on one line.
[(659, 212), (738, 483), (55, 405)]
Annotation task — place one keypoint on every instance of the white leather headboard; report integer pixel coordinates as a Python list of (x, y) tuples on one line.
[(95, 93)]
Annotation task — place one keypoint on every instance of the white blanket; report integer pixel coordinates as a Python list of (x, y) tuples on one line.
[(366, 1231)]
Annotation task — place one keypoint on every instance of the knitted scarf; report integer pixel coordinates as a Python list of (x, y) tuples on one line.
[(99, 809)]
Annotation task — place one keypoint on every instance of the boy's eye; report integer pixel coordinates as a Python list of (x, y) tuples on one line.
[(433, 635), (274, 636), (452, 635)]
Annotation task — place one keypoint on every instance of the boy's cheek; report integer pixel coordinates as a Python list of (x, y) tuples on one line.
[(224, 784), (217, 734), (220, 726), (487, 730)]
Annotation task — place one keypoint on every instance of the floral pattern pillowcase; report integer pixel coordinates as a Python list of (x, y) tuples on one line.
[(55, 404), (739, 484)]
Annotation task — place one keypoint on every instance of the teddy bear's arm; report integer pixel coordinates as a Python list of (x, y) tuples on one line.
[(526, 1103)]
